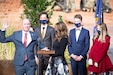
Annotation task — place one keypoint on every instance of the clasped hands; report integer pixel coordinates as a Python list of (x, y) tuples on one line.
[(90, 62), (77, 58)]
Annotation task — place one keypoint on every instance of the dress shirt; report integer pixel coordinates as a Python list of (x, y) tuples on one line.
[(77, 30), (28, 37)]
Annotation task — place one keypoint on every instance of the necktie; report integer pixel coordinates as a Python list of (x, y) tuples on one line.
[(25, 44), (25, 39), (43, 32)]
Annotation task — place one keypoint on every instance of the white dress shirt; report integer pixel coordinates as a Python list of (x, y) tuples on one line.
[(78, 30)]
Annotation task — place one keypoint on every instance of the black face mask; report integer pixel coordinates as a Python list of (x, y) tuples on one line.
[(43, 21), (77, 24)]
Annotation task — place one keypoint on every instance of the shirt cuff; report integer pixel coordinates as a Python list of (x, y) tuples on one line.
[(81, 56), (2, 29), (71, 55)]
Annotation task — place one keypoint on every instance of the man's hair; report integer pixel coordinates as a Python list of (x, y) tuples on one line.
[(45, 14), (78, 16)]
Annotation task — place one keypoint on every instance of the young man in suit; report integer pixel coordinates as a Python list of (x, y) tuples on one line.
[(24, 59), (46, 33), (78, 47)]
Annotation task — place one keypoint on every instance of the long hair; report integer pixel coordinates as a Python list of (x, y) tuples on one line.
[(103, 32), (61, 30)]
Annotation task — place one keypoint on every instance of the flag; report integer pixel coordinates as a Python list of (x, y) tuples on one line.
[(99, 11)]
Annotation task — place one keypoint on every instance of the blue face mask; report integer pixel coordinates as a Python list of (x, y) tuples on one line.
[(43, 21), (77, 24), (99, 32)]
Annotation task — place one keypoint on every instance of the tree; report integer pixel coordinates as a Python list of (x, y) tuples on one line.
[(33, 7)]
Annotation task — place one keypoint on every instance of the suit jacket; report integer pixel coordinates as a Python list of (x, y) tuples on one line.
[(20, 49), (48, 38), (81, 46)]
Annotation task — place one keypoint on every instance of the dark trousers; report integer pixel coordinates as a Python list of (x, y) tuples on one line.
[(43, 62), (24, 69), (78, 67)]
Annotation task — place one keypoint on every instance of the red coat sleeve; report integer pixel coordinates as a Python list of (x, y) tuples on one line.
[(91, 50)]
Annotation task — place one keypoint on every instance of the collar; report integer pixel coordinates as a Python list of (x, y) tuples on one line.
[(80, 28), (43, 26), (23, 32)]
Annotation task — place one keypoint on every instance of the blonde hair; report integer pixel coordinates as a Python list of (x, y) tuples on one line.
[(103, 32), (62, 30)]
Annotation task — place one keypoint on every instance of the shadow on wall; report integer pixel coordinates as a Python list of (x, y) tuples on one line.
[(6, 67)]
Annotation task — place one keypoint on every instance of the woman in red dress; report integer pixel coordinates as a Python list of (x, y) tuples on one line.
[(98, 61)]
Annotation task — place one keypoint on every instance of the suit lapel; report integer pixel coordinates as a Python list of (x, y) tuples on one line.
[(31, 36), (46, 32), (80, 35), (74, 32), (19, 36)]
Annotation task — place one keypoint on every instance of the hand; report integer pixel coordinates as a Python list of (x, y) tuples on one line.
[(79, 58), (45, 48), (90, 62), (74, 56), (96, 64), (37, 60), (5, 26)]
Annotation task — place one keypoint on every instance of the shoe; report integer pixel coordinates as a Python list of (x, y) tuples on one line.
[(84, 9), (109, 10), (67, 10)]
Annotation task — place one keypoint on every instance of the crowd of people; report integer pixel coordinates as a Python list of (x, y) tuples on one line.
[(85, 5), (27, 41)]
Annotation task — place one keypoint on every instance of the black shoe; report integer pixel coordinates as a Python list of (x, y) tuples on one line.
[(84, 9), (109, 10)]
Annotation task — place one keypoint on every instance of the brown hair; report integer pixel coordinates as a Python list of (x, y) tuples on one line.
[(42, 14), (78, 16), (62, 30), (104, 32)]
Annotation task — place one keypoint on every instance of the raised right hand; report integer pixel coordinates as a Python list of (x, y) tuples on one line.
[(5, 25)]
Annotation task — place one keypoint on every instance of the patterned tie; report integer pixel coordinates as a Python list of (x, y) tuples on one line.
[(43, 32), (25, 44)]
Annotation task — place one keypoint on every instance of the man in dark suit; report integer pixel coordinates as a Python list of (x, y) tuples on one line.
[(24, 59), (47, 34), (79, 39)]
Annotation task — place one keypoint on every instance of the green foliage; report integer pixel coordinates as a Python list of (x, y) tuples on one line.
[(60, 19), (33, 7)]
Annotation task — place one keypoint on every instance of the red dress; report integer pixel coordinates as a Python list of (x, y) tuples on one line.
[(98, 53)]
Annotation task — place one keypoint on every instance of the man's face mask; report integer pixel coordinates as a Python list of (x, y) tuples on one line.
[(77, 24), (43, 21)]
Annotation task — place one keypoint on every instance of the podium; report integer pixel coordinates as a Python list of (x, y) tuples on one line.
[(44, 52)]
